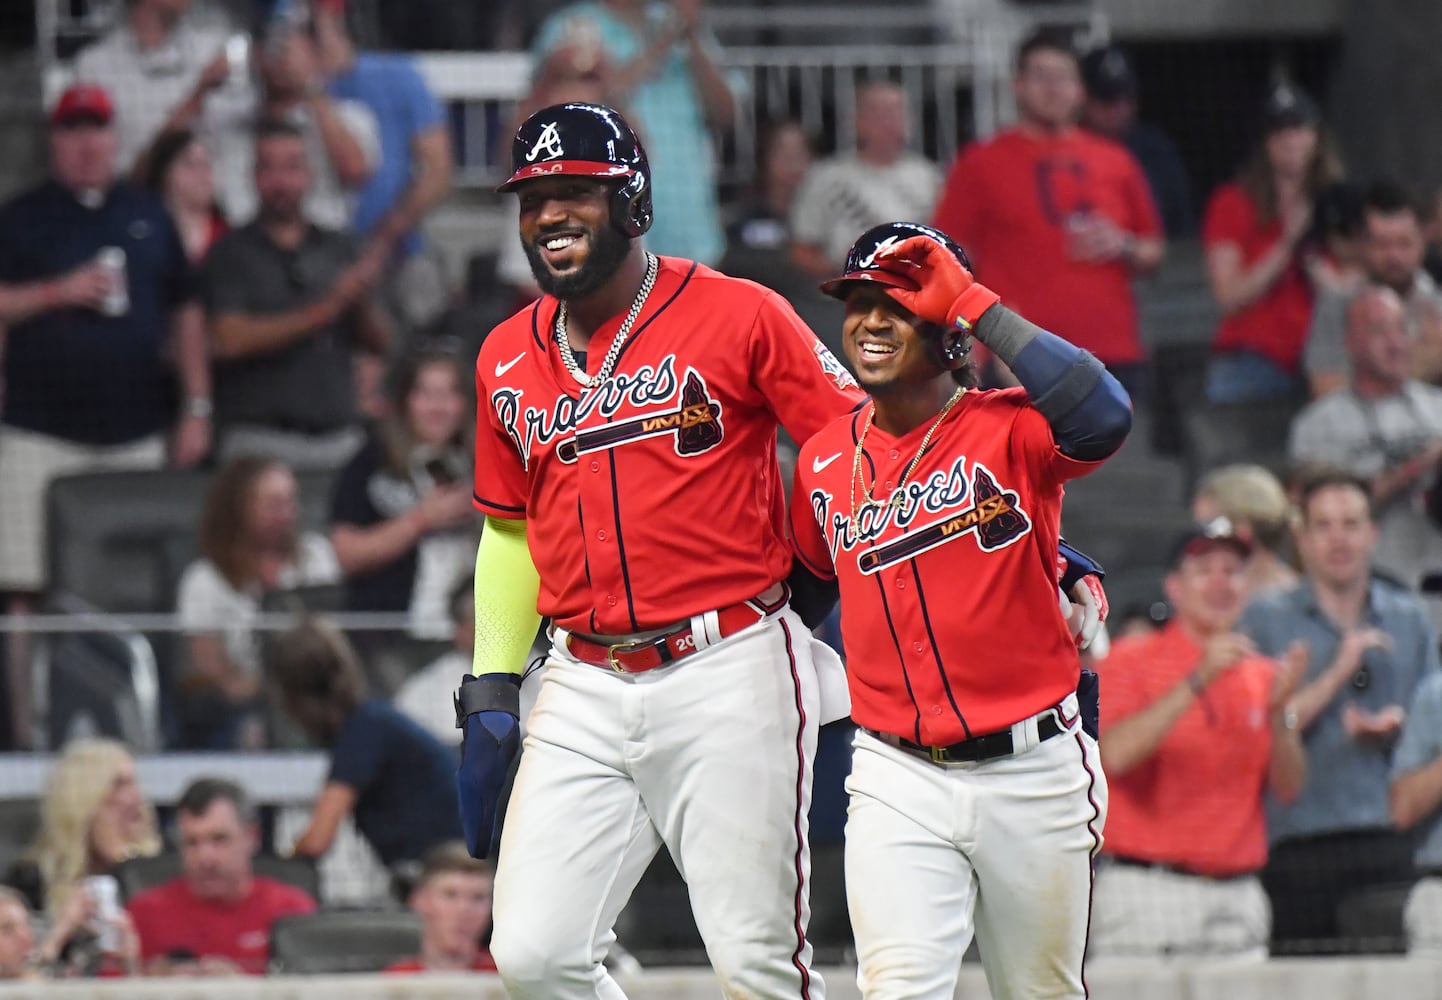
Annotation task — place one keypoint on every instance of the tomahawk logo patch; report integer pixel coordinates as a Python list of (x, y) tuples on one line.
[(549, 143)]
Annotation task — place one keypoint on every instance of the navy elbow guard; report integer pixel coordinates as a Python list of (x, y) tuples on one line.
[(488, 712)]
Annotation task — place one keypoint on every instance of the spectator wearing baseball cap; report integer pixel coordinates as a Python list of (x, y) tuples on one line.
[(1110, 110), (1371, 648), (97, 297), (1253, 233), (1195, 733)]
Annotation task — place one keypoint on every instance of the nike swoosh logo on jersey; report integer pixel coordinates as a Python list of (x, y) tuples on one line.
[(817, 464), (502, 369)]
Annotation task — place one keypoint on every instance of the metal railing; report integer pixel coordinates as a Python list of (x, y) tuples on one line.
[(958, 85)]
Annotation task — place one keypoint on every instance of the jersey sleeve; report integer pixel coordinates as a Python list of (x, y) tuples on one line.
[(499, 489), (803, 383), (808, 540), (1033, 441)]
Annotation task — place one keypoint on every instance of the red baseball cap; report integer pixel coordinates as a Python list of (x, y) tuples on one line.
[(84, 102)]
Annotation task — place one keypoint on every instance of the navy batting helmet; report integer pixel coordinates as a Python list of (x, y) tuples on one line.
[(862, 265), (586, 140)]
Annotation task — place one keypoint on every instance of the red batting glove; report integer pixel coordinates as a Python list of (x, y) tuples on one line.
[(947, 293)]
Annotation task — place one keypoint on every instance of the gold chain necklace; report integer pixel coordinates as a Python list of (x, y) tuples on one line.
[(898, 496)]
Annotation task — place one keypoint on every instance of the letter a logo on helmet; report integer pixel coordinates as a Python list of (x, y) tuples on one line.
[(549, 142), (586, 140)]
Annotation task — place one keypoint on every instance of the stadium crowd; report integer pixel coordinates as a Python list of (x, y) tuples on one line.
[(227, 271)]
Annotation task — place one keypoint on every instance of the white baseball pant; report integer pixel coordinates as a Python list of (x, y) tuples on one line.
[(1001, 848), (712, 757)]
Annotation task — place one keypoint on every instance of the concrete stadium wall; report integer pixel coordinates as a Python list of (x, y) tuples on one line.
[(1314, 979)]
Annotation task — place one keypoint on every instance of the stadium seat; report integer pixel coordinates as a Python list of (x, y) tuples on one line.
[(1370, 921), (120, 540), (98, 682), (19, 823), (337, 941), (139, 874)]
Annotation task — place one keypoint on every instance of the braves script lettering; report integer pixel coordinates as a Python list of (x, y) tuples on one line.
[(993, 515), (534, 427)]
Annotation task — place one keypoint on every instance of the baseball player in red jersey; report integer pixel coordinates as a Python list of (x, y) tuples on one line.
[(977, 798), (626, 465)]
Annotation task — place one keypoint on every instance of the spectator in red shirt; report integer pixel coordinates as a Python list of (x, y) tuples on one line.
[(216, 916), (1058, 219), (1254, 232), (453, 900), (1195, 734)]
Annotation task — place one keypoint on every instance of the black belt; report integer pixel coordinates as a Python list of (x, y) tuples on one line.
[(1162, 866), (988, 746)]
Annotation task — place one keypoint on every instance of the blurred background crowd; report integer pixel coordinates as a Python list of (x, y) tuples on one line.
[(248, 252)]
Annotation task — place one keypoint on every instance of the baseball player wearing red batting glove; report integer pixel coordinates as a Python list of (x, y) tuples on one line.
[(625, 437), (977, 798)]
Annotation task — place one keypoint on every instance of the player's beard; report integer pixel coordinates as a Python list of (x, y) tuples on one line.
[(606, 251)]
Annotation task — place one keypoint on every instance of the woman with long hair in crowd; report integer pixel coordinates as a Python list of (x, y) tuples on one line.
[(93, 817), (251, 545), (181, 172), (402, 520), (1254, 234)]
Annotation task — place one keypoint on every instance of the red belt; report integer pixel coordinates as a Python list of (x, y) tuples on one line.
[(648, 654)]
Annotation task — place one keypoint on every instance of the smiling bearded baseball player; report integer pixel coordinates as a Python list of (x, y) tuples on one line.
[(977, 798), (626, 464)]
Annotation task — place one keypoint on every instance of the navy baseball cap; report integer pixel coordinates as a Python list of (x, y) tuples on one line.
[(862, 263), (1107, 75), (1288, 107), (1215, 534)]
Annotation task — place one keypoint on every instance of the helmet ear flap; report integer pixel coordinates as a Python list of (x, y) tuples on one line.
[(631, 211)]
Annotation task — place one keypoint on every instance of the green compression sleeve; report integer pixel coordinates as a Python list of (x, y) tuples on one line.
[(507, 586)]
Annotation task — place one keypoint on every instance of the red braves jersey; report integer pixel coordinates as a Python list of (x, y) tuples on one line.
[(949, 609), (656, 495)]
